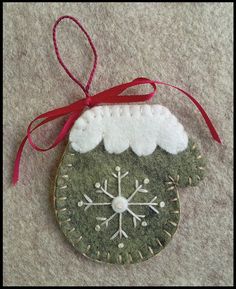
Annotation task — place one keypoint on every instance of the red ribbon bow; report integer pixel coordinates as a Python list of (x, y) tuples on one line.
[(109, 96)]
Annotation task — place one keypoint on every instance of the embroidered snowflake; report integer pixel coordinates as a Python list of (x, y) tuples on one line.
[(120, 204)]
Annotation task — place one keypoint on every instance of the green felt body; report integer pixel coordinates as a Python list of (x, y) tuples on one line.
[(165, 172)]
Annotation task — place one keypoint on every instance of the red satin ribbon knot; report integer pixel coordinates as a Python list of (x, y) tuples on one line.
[(108, 96)]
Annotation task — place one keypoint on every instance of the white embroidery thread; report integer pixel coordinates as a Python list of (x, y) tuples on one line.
[(120, 204)]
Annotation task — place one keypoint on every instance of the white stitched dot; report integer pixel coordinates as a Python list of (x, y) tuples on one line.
[(162, 204), (97, 185), (80, 204), (146, 181), (121, 245), (144, 224), (97, 228)]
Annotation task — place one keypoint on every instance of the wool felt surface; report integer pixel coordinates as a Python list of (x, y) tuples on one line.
[(140, 127), (76, 182), (186, 44)]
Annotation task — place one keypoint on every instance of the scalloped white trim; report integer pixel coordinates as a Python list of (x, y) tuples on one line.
[(140, 127)]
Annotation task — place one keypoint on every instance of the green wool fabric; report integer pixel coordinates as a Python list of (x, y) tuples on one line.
[(76, 179)]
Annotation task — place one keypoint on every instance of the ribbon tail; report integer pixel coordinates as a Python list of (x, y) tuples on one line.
[(209, 123), (17, 162), (69, 123)]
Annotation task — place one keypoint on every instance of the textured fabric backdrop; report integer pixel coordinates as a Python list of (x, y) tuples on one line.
[(186, 44)]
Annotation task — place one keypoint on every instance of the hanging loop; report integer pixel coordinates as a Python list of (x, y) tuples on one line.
[(76, 80)]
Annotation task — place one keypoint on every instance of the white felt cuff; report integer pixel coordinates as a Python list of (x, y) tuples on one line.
[(140, 127)]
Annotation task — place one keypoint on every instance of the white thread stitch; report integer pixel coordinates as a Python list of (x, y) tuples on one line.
[(159, 243), (88, 247), (78, 240), (65, 221), (150, 249), (172, 223), (62, 198), (167, 233), (148, 127), (62, 210), (140, 254), (72, 230), (64, 187)]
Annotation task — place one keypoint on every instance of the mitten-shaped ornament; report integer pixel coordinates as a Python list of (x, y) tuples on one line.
[(116, 192)]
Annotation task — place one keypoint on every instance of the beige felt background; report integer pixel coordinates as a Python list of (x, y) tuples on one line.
[(186, 44)]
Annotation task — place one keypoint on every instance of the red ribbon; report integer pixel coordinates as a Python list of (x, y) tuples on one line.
[(109, 96)]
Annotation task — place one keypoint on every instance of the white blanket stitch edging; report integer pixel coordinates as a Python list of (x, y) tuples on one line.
[(140, 127)]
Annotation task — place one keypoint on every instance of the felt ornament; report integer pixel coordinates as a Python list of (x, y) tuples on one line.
[(116, 191)]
